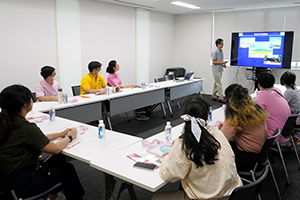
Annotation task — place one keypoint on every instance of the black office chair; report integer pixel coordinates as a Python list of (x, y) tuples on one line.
[(33, 96), (156, 80), (7, 192), (169, 77), (263, 161), (76, 90), (287, 132), (250, 191)]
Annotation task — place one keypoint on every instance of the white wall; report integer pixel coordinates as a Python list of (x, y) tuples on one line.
[(108, 32), (68, 44), (193, 45), (142, 45), (28, 40), (162, 39)]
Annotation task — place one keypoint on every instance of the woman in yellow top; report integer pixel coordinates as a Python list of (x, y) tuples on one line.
[(93, 83), (201, 158)]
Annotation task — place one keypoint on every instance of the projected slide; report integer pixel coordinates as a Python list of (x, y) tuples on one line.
[(261, 49)]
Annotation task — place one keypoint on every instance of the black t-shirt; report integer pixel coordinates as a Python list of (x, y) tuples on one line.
[(22, 148)]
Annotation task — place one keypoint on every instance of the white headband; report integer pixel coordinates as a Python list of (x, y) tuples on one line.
[(196, 130)]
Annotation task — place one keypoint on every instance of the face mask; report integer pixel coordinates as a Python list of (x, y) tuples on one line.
[(54, 78)]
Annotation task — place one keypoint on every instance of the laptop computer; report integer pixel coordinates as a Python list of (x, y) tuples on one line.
[(186, 77)]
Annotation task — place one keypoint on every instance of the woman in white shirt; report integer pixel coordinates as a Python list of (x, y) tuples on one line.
[(201, 158)]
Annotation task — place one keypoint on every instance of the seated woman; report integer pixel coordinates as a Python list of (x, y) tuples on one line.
[(201, 158), (245, 124), (113, 78), (21, 143), (271, 100), (292, 94)]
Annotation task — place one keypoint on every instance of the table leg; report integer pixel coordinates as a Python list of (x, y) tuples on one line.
[(106, 115), (163, 108), (170, 109), (109, 184), (119, 186)]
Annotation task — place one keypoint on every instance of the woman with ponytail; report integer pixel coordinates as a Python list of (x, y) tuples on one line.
[(21, 143), (292, 94), (201, 158), (113, 78), (245, 124)]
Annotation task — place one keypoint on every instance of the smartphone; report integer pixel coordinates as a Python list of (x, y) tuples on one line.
[(145, 165)]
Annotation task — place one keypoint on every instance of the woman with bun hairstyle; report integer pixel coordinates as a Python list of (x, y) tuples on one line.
[(21, 143), (113, 78), (245, 124), (201, 158)]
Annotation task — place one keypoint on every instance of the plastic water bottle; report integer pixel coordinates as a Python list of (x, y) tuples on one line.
[(107, 90), (65, 98), (143, 85), (210, 114), (168, 131), (101, 129), (52, 114)]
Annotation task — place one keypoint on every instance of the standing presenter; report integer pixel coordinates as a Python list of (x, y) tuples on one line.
[(217, 68)]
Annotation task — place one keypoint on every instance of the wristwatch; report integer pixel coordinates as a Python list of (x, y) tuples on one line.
[(70, 137)]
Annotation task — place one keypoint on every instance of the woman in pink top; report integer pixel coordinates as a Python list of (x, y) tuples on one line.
[(113, 78), (271, 100), (245, 124)]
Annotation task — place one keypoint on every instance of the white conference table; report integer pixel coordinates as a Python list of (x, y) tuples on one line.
[(175, 89), (121, 167), (134, 98), (99, 153), (87, 146), (86, 108), (89, 107)]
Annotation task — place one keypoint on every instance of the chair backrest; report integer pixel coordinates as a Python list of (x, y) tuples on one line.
[(156, 80), (250, 191), (288, 126), (169, 77), (33, 96), (264, 152), (6, 191), (76, 90)]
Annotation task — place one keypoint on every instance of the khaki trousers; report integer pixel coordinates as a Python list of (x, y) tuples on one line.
[(177, 195), (217, 90)]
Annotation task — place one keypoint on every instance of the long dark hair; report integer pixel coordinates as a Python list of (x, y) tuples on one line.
[(207, 149), (12, 99)]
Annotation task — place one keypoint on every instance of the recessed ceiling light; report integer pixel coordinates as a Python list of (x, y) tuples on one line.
[(178, 3)]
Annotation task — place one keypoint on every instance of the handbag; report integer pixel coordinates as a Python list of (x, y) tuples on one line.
[(42, 163)]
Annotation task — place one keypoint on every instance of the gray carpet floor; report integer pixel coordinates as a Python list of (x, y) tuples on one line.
[(92, 180)]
